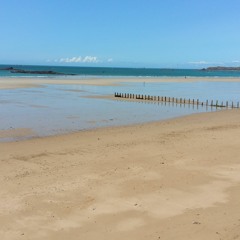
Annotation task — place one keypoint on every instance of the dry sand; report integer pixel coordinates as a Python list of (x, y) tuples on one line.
[(176, 179), (9, 83)]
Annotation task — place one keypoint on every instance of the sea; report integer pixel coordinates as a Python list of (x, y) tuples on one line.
[(52, 109), (113, 72)]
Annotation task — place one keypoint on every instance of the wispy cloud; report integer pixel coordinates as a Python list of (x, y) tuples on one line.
[(79, 59), (200, 63), (206, 63), (236, 61)]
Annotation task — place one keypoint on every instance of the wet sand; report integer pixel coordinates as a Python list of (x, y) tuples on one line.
[(9, 83), (175, 179)]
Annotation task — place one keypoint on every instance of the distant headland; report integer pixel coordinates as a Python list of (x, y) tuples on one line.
[(219, 68), (17, 70)]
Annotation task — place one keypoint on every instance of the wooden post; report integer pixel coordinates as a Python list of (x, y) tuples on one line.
[(158, 98), (227, 104), (232, 105), (211, 103), (197, 102), (238, 105), (216, 103), (193, 101), (207, 103)]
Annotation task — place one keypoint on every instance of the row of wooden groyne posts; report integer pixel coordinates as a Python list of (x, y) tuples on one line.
[(177, 100)]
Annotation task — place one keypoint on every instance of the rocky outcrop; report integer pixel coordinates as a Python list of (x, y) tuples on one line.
[(221, 69), (16, 70)]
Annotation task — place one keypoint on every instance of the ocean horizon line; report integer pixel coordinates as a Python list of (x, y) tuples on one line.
[(10, 70)]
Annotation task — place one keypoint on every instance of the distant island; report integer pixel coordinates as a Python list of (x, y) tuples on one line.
[(221, 69), (17, 70)]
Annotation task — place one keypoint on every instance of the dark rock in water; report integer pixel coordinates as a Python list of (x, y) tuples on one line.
[(7, 69), (219, 68), (33, 72), (16, 70)]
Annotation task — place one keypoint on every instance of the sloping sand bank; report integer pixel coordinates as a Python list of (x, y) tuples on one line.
[(11, 83), (177, 179)]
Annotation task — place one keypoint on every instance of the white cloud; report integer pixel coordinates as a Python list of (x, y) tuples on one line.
[(206, 63), (236, 61), (199, 62), (79, 59)]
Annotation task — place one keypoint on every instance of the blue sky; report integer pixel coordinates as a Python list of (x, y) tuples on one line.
[(129, 33)]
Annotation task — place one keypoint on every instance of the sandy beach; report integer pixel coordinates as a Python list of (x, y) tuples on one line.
[(11, 83), (119, 120), (175, 179)]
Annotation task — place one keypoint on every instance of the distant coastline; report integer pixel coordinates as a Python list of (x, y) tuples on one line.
[(219, 68)]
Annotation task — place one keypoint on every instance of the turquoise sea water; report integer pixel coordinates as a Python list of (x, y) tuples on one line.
[(103, 71)]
